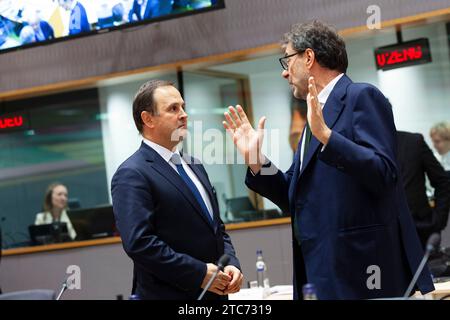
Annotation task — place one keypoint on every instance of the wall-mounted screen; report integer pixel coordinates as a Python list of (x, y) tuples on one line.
[(24, 23)]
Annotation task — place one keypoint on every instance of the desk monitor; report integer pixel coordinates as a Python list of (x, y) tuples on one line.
[(48, 233), (241, 209), (92, 223)]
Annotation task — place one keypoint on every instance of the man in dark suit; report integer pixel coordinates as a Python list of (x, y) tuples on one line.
[(416, 160), (42, 29), (138, 10), (354, 237), (166, 209), (78, 21), (146, 9)]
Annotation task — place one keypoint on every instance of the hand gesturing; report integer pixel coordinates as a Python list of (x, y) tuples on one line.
[(247, 140)]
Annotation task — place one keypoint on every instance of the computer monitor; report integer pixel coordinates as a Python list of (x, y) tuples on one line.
[(59, 20), (241, 209), (91, 223), (49, 233)]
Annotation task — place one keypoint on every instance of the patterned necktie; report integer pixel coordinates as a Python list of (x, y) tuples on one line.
[(176, 160), (308, 136)]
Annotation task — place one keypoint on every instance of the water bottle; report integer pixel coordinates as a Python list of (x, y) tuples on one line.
[(261, 271), (309, 292)]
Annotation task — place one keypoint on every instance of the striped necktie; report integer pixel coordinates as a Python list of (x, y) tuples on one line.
[(308, 136), (176, 160), (307, 139)]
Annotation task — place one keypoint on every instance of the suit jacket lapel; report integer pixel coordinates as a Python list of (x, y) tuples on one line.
[(331, 111), (166, 171), (206, 184)]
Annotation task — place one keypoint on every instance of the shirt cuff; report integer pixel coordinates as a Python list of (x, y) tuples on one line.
[(266, 164)]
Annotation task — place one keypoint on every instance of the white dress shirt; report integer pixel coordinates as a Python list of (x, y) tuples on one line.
[(166, 154), (322, 97), (46, 218), (445, 161)]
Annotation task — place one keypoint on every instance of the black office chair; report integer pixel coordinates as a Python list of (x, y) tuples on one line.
[(74, 203), (37, 294)]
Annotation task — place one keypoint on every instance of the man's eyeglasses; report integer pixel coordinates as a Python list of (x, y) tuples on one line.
[(284, 61)]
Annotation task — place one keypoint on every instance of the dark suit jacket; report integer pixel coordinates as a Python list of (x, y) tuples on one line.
[(136, 10), (153, 9), (416, 159), (47, 30), (163, 229), (348, 202), (78, 20)]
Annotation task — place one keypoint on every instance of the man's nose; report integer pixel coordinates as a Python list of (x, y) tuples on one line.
[(285, 74)]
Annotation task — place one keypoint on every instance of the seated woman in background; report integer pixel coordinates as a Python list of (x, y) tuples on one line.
[(55, 204)]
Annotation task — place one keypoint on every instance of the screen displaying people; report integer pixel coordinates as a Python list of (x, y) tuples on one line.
[(28, 21)]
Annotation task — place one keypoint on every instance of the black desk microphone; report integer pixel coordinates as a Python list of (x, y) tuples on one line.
[(433, 241)]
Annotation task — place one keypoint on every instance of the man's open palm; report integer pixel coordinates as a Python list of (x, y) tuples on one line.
[(248, 141)]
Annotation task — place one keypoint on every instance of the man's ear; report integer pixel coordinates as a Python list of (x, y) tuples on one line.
[(310, 58), (147, 119)]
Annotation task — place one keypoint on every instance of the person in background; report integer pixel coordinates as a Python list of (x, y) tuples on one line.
[(42, 29), (137, 11), (156, 8), (118, 14), (55, 206), (78, 22), (298, 122), (27, 35), (416, 160), (440, 135)]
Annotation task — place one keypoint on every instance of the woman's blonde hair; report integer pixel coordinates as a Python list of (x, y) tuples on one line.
[(48, 205), (442, 129)]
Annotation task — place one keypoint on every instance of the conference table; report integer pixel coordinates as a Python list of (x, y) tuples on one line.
[(284, 292), (281, 292)]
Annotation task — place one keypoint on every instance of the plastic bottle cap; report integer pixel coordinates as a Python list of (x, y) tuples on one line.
[(309, 288)]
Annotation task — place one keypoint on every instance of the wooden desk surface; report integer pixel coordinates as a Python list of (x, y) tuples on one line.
[(113, 240)]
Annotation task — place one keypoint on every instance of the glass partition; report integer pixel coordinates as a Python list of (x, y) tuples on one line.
[(62, 143), (80, 138), (208, 93)]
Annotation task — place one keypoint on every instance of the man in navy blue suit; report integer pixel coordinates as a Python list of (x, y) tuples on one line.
[(78, 21), (166, 209), (146, 9), (353, 235), (42, 29)]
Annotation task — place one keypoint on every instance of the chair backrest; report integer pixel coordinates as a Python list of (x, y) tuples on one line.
[(37, 294)]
